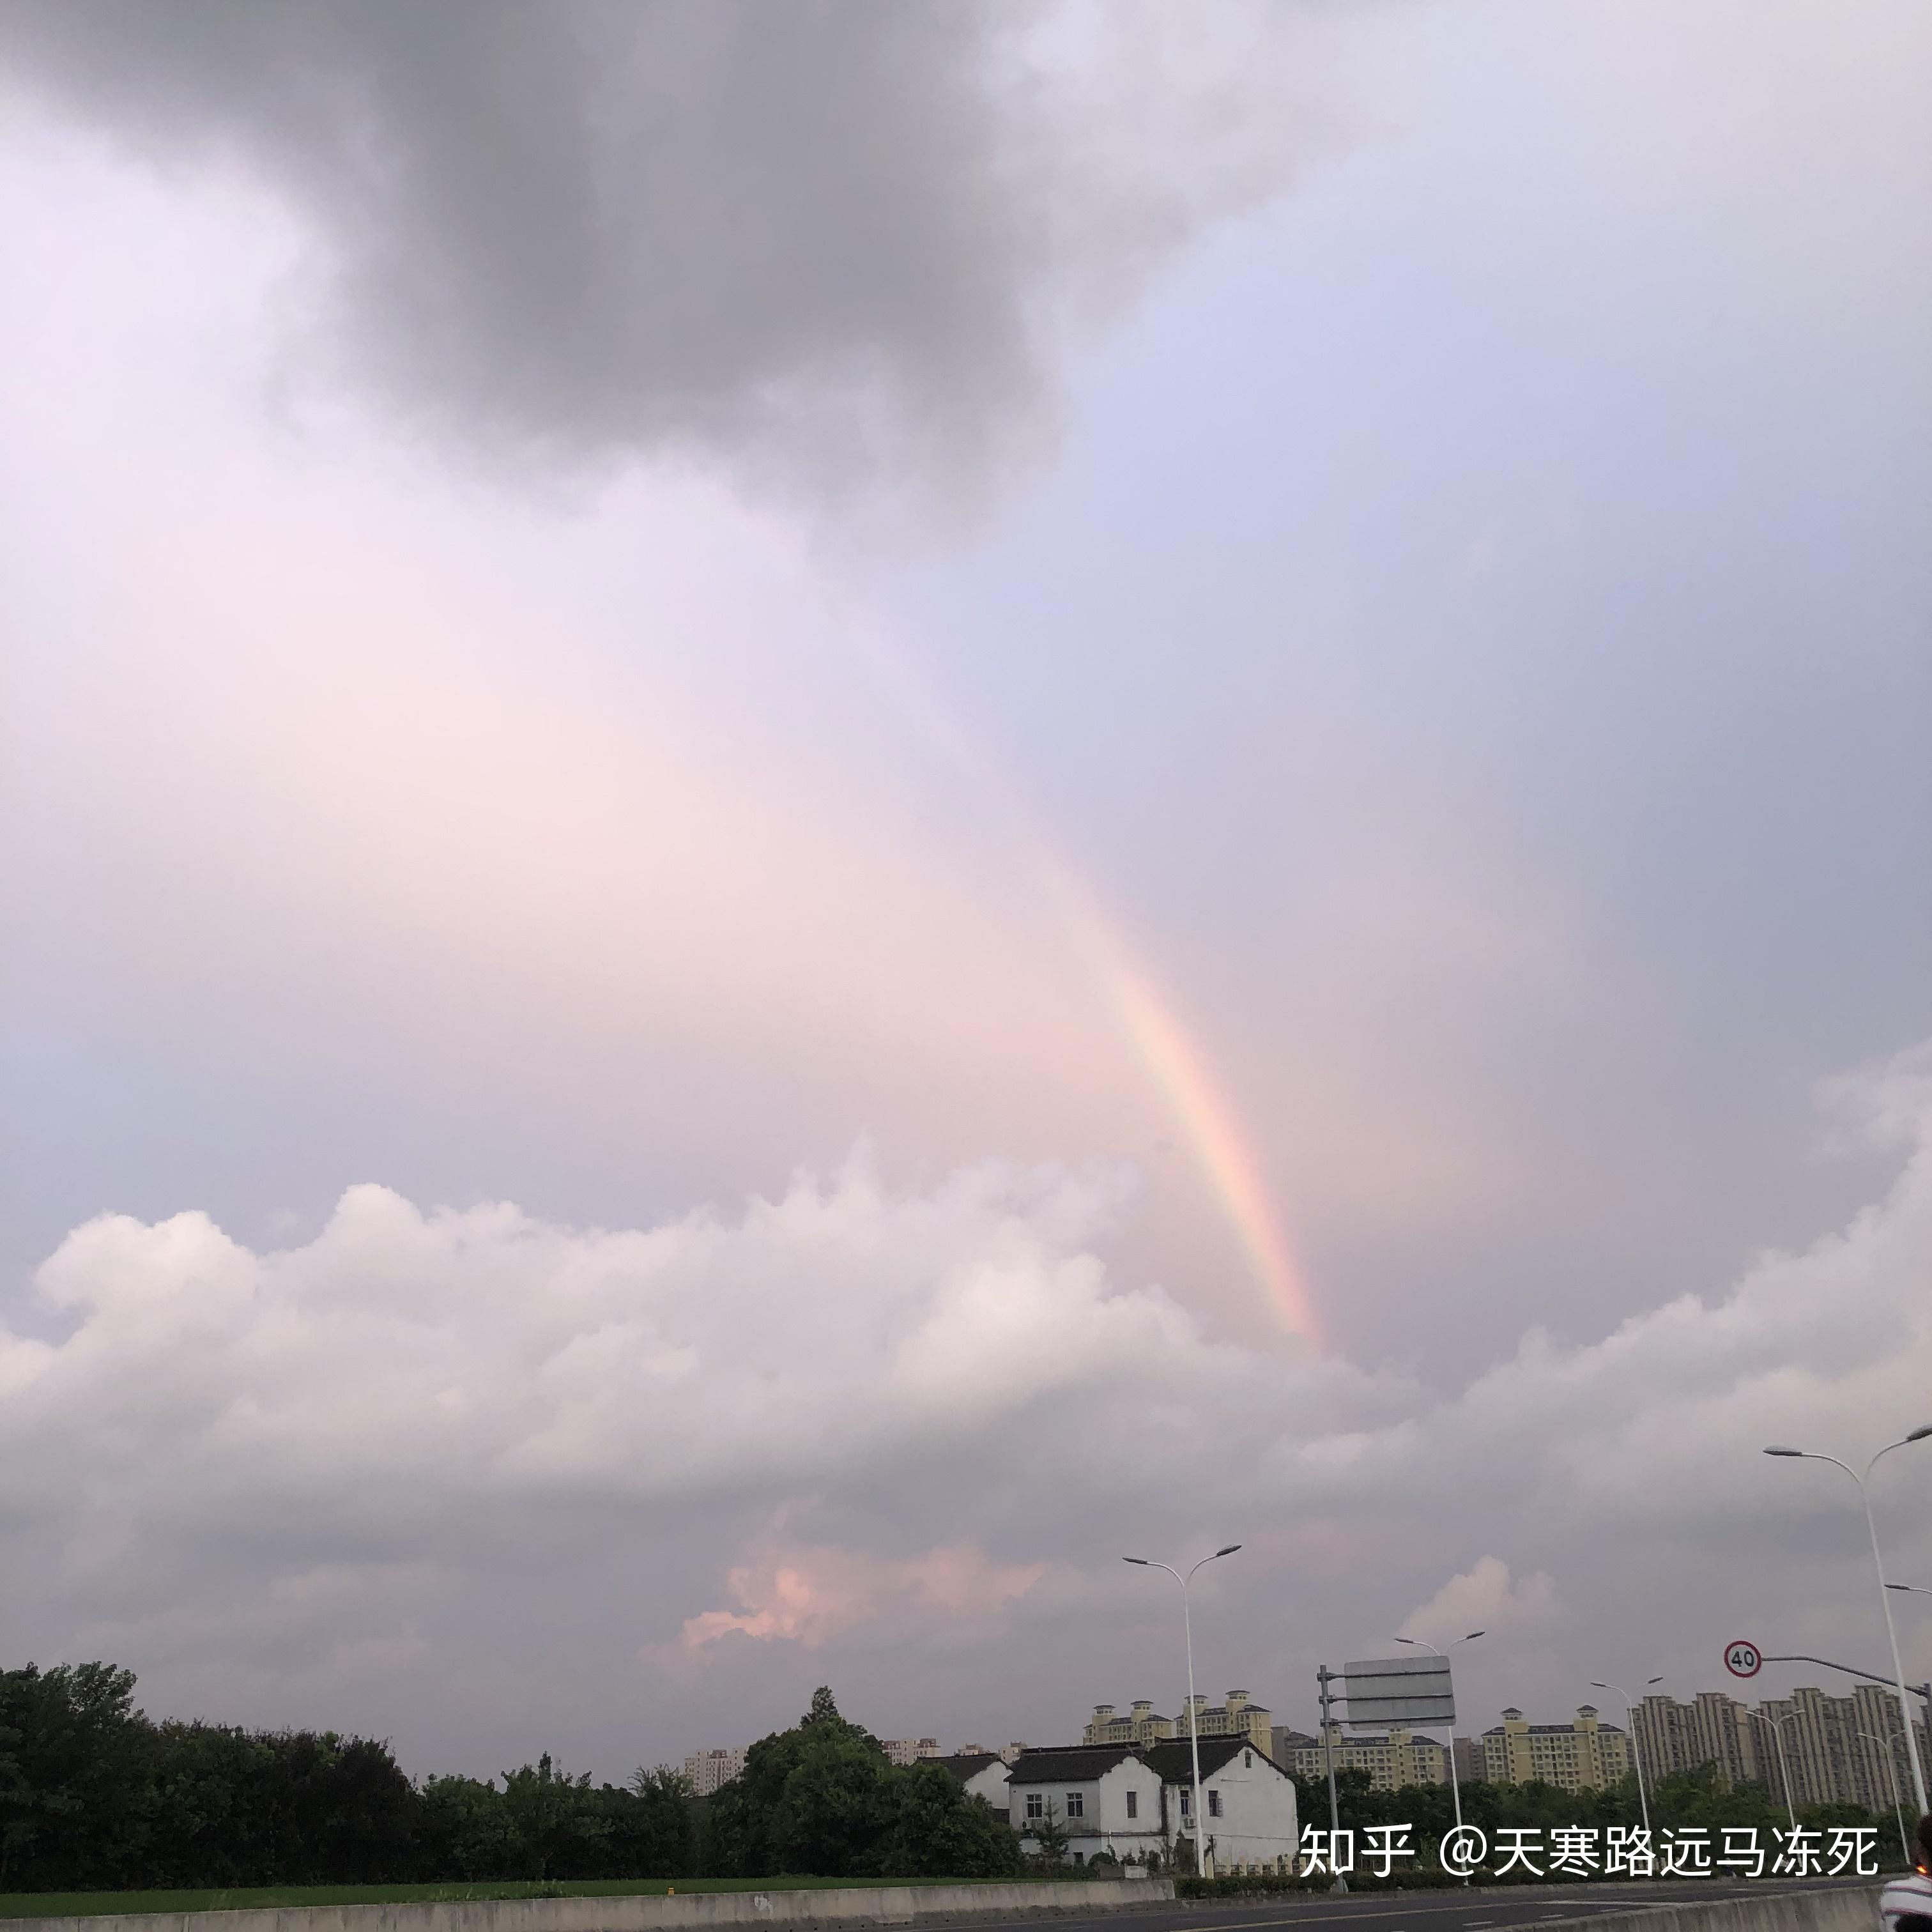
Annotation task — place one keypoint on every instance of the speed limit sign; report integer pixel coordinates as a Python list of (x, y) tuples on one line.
[(1742, 1659)]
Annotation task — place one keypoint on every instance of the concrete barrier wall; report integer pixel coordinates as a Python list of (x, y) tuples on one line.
[(1838, 1908), (840, 1905)]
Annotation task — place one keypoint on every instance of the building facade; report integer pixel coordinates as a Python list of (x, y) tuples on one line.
[(982, 1773), (1238, 1717), (1140, 1726), (1284, 1740), (710, 1770), (1392, 1759), (1823, 1749), (1127, 1802), (1844, 1749), (1713, 1729), (909, 1750), (1585, 1756)]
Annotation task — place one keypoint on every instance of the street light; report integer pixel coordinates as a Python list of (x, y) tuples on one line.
[(1784, 1770), (1636, 1756), (1917, 1435), (1202, 1856), (1898, 1803), (1455, 1790)]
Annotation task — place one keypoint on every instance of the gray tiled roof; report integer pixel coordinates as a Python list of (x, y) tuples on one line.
[(1069, 1764), (1174, 1761)]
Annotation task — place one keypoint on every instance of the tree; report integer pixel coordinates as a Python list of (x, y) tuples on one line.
[(75, 1767), (820, 1799), (1703, 1797), (556, 1822), (932, 1829), (1049, 1837), (467, 1832), (660, 1836)]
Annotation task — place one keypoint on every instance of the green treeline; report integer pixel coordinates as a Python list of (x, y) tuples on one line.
[(95, 1796)]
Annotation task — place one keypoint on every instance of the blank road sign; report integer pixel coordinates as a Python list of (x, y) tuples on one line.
[(1387, 1690)]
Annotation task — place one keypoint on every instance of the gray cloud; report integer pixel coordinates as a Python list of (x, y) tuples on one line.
[(832, 244)]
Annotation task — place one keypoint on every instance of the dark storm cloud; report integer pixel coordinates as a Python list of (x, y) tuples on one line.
[(839, 239)]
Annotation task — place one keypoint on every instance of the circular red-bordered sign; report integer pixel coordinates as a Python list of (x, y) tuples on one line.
[(1743, 1659)]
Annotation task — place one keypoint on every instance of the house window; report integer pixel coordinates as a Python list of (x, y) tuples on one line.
[(1133, 1804), (1247, 1760), (1035, 1805), (1186, 1800), (1213, 1805), (1076, 1805)]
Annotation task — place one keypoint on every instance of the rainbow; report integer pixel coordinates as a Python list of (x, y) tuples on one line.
[(1206, 1117), (1180, 1071)]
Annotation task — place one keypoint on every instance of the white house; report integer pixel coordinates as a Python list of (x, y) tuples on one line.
[(1128, 1800), (983, 1773), (1251, 1822), (1106, 1798)]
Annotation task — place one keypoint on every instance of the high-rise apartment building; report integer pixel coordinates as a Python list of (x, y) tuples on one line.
[(1392, 1759), (1847, 1750), (909, 1750), (1828, 1750), (1140, 1726), (1237, 1718), (710, 1770), (1713, 1729), (1585, 1756)]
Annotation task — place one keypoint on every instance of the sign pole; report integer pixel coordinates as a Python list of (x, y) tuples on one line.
[(1323, 1677)]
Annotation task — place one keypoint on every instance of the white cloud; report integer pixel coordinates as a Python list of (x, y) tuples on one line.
[(480, 1354), (1485, 1597), (888, 1427)]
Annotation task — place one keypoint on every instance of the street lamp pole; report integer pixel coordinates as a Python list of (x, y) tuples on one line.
[(1202, 1856), (1783, 1767), (1898, 1802), (1637, 1755), (1917, 1435), (1455, 1789)]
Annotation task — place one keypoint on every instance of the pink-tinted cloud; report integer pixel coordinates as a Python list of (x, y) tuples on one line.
[(806, 1596)]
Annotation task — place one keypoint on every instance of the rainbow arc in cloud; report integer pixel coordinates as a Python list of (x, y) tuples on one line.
[(1182, 1072), (1207, 1118)]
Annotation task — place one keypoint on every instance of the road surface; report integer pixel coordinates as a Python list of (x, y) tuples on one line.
[(1456, 1911)]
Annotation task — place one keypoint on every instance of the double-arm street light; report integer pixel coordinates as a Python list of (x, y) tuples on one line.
[(1897, 1801), (1201, 1856), (1777, 1725), (1636, 1756), (1917, 1435), (1455, 1790)]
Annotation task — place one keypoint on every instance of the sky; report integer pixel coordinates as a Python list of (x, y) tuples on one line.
[(809, 814)]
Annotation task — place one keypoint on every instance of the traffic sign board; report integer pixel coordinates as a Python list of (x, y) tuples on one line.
[(1742, 1659)]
